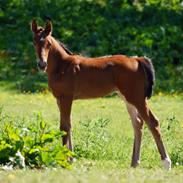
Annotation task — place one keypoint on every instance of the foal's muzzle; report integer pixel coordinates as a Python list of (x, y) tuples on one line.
[(42, 65)]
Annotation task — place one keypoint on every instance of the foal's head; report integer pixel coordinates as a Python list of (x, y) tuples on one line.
[(42, 42)]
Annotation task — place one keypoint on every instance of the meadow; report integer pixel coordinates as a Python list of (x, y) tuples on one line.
[(102, 131), (102, 137)]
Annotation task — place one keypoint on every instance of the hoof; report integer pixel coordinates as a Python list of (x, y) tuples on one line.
[(135, 164), (167, 163)]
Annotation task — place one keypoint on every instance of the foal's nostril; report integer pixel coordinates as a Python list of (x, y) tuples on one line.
[(42, 64)]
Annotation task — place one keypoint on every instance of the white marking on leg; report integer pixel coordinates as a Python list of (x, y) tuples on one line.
[(167, 163), (135, 119)]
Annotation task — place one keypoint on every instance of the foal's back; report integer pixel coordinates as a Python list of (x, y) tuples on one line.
[(98, 77)]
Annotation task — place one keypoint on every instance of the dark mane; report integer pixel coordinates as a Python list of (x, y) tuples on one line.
[(65, 48)]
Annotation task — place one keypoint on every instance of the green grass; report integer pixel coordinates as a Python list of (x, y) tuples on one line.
[(104, 152), (95, 174)]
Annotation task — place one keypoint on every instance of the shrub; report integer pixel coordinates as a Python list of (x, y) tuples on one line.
[(34, 146)]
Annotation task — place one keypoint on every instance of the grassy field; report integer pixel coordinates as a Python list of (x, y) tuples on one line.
[(103, 139)]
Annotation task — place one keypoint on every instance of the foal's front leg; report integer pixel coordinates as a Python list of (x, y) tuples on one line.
[(65, 104)]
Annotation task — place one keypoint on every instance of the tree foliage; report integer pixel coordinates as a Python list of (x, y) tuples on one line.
[(95, 28)]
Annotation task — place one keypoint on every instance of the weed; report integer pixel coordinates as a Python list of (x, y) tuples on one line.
[(174, 129), (34, 146), (92, 137)]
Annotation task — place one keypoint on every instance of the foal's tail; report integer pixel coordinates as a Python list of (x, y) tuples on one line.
[(149, 72)]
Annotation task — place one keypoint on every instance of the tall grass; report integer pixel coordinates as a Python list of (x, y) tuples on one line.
[(99, 134), (102, 138)]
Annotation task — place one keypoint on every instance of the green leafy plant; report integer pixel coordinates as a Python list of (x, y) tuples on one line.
[(35, 146)]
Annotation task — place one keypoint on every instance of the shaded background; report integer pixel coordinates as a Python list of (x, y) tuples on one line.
[(153, 28)]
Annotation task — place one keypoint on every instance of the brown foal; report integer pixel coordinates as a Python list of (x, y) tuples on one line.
[(73, 77)]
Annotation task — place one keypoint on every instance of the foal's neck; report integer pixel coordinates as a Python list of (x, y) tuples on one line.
[(57, 58), (57, 49)]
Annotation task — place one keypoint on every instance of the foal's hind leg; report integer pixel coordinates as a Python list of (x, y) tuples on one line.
[(137, 124), (153, 125)]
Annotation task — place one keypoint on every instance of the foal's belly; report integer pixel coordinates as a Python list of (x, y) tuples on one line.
[(93, 91), (93, 84)]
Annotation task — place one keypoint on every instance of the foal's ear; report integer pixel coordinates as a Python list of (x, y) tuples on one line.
[(34, 26), (48, 27)]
